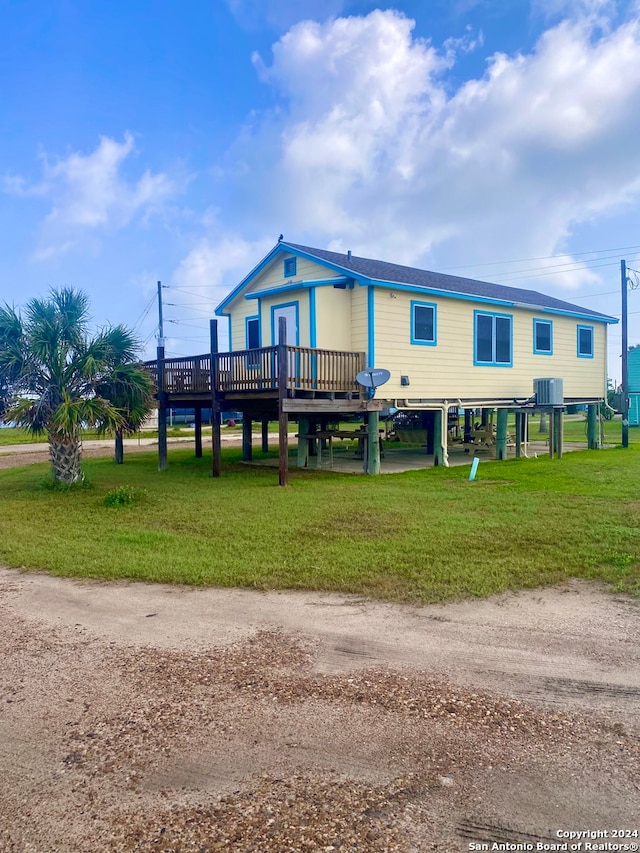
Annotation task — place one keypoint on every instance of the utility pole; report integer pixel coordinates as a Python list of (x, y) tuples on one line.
[(625, 357)]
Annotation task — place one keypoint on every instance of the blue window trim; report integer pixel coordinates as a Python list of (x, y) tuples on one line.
[(493, 362), (289, 267), (419, 341), (549, 323), (589, 329), (274, 308), (247, 320)]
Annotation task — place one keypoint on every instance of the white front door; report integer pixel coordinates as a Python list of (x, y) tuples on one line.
[(290, 313)]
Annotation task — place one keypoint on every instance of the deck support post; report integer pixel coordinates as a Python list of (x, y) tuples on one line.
[(265, 435), (162, 413), (438, 449), (303, 443), (215, 412), (247, 438), (119, 449), (558, 417), (520, 416), (552, 433), (198, 429), (468, 425), (283, 418), (501, 434), (373, 444), (592, 427)]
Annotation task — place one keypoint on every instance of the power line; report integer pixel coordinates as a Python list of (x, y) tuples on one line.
[(543, 258), (143, 314), (575, 266), (556, 272)]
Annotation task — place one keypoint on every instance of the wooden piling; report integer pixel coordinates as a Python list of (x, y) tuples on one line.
[(593, 442), (283, 418), (247, 438), (519, 433), (501, 434), (373, 444), (215, 410), (303, 443), (198, 432)]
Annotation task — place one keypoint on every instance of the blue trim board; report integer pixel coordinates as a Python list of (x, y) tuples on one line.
[(419, 341), (578, 316), (313, 336), (580, 328), (298, 285), (493, 362), (254, 272), (274, 308), (371, 329), (549, 323)]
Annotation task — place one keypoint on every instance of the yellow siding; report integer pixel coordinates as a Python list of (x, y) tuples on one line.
[(245, 308), (333, 318), (447, 370), (359, 315)]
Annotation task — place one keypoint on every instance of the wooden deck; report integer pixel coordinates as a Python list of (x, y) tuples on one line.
[(256, 371)]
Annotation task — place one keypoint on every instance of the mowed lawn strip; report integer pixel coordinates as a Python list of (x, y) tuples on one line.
[(420, 536)]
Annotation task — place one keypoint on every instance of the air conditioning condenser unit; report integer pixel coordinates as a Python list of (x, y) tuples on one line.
[(549, 391)]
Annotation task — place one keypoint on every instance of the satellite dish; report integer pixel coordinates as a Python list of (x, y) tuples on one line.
[(373, 377)]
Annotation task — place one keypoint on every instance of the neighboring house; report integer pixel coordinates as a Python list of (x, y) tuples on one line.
[(634, 387), (449, 343)]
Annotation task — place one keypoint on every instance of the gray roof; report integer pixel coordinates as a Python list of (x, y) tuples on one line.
[(383, 271)]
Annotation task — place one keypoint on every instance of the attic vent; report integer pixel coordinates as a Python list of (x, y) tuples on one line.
[(549, 392), (290, 267)]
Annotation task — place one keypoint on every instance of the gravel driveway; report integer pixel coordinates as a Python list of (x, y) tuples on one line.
[(150, 718)]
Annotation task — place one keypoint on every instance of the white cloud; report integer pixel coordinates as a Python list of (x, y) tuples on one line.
[(375, 153), (89, 192), (216, 263)]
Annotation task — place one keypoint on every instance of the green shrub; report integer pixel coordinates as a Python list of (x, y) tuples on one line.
[(123, 496)]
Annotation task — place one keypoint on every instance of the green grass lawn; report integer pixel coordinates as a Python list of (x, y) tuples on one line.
[(420, 536)]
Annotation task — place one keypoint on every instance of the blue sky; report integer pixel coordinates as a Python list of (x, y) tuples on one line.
[(176, 141)]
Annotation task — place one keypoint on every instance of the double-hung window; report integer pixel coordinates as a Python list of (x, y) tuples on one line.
[(492, 339), (585, 341), (423, 323), (542, 337)]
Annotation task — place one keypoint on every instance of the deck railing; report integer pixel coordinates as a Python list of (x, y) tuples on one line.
[(257, 370)]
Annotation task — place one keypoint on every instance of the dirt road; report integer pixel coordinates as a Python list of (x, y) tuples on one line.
[(136, 717), (14, 455)]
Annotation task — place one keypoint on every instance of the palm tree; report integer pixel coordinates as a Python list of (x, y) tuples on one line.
[(53, 370)]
